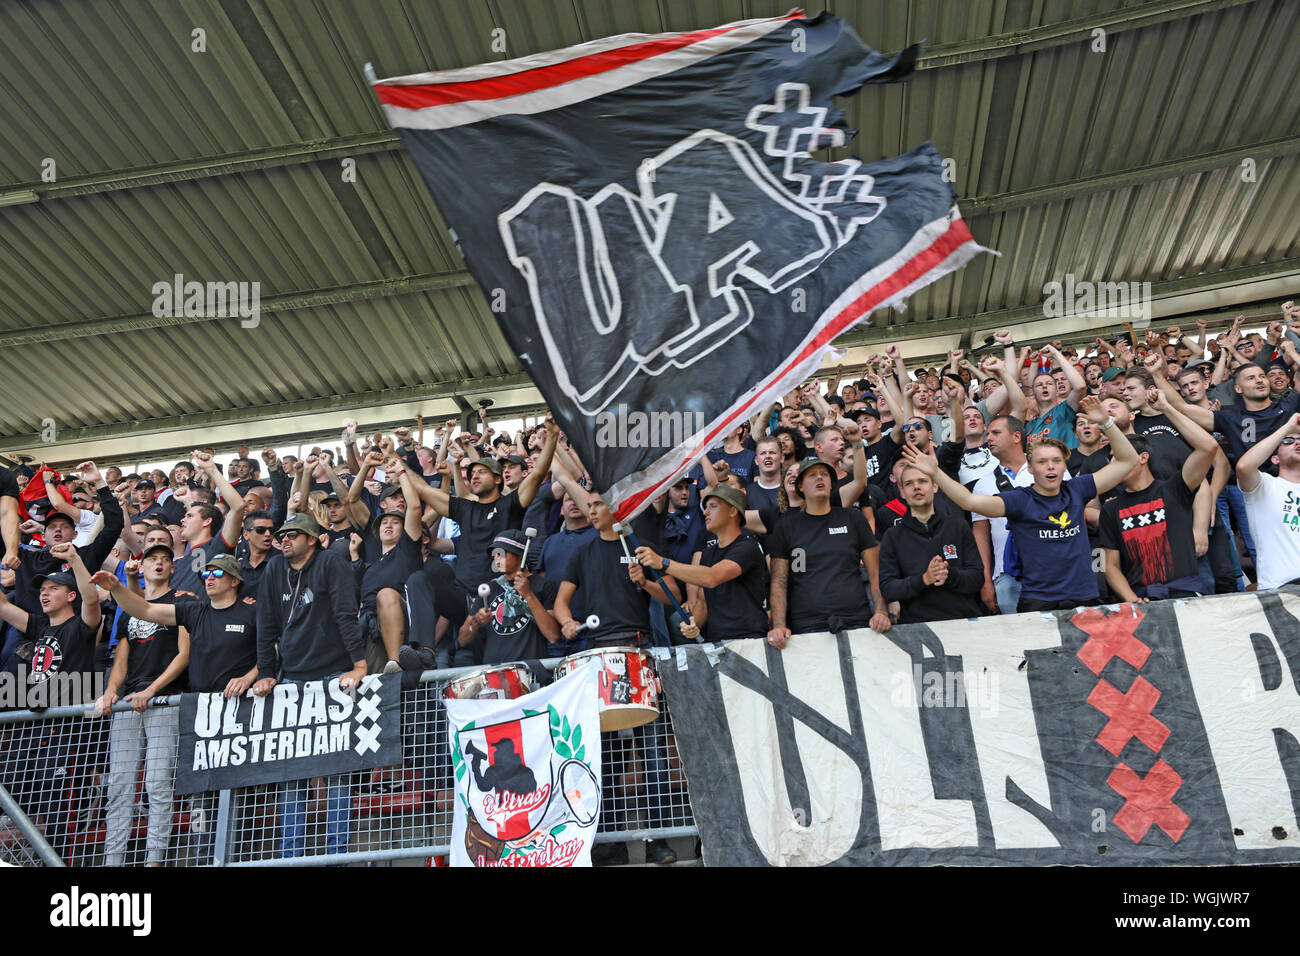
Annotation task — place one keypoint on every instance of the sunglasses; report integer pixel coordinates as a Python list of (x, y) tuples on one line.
[(908, 428), (1290, 441), (212, 573), (265, 529), (292, 534)]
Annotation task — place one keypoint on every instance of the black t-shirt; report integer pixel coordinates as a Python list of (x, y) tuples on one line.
[(390, 570), (185, 570), (479, 525), (1080, 464), (223, 643), (1168, 447), (513, 634), (758, 498), (825, 552), (1152, 531), (737, 607), (67, 648), (881, 455), (153, 647), (599, 569), (1238, 437), (8, 483), (369, 543)]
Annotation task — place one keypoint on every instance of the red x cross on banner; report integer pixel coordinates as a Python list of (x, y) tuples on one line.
[(1147, 803), (1111, 637), (1130, 715)]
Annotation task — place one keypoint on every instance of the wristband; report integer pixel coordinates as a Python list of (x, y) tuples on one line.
[(1108, 423)]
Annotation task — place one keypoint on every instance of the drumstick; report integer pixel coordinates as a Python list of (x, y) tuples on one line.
[(529, 533), (592, 622), (621, 531), (483, 592)]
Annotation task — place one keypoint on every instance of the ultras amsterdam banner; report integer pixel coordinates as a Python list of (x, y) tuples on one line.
[(1157, 734), (527, 776), (299, 730), (647, 222)]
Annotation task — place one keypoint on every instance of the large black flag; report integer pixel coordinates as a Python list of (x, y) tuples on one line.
[(661, 250)]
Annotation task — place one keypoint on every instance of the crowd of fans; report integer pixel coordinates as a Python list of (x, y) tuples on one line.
[(1155, 465)]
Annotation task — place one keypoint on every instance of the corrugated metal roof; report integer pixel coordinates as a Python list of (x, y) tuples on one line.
[(227, 165)]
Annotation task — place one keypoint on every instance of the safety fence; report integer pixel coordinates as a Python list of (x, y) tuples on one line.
[(99, 791)]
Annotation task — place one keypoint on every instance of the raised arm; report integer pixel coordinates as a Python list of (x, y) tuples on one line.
[(1078, 387), (852, 490), (533, 480), (1123, 456), (438, 499), (561, 478), (358, 513), (60, 503), (991, 506), (414, 512), (90, 612), (1015, 398), (350, 446), (1257, 456), (9, 531), (234, 500), (1204, 448), (132, 602), (114, 519)]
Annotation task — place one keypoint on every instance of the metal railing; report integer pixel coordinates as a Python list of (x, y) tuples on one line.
[(98, 791)]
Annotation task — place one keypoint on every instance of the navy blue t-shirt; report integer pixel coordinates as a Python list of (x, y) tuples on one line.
[(1231, 424), (741, 462), (1052, 540)]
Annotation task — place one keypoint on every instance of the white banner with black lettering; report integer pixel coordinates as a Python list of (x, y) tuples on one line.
[(1162, 733), (300, 730), (527, 776)]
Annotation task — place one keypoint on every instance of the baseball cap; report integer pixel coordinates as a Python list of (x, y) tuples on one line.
[(58, 514), (512, 459), (398, 514), (1111, 373), (229, 564), (730, 496), (146, 483), (331, 496), (158, 547), (300, 522), (390, 491), (57, 577), (491, 464)]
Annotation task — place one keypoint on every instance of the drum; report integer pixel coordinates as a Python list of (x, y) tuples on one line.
[(629, 688), (503, 682)]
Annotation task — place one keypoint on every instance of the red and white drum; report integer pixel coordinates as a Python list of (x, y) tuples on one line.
[(503, 682), (629, 688)]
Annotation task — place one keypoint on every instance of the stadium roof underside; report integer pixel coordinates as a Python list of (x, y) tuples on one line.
[(1171, 157)]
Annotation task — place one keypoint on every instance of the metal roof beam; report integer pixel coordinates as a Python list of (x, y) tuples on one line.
[(1079, 30), (290, 154), (1055, 192), (286, 302)]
